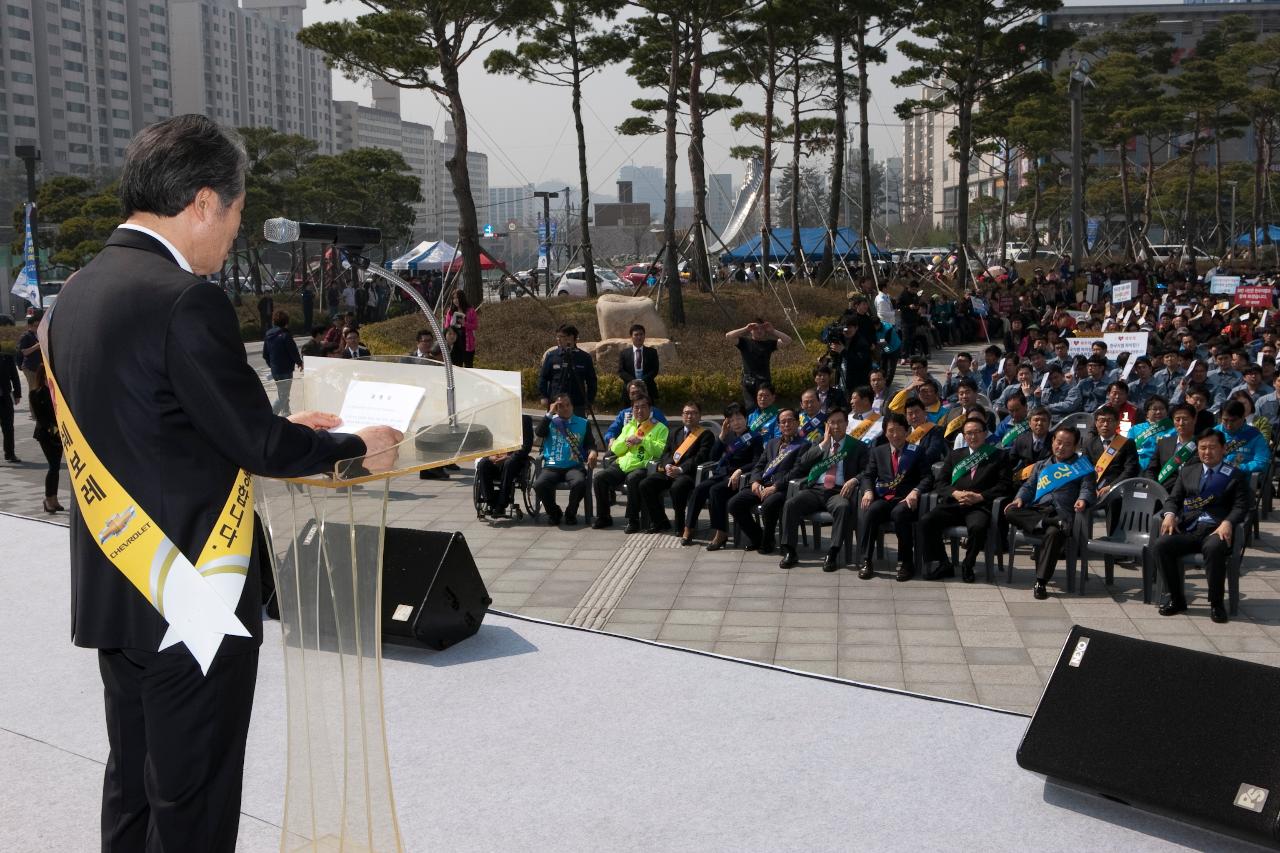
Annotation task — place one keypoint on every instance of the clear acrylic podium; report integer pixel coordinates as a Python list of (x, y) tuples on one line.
[(325, 539)]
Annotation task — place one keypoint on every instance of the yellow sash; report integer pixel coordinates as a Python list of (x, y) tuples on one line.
[(861, 429), (686, 444), (1026, 472), (954, 424), (919, 433), (198, 601), (1108, 455)]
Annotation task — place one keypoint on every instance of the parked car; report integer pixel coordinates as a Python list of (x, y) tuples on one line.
[(637, 274), (574, 282)]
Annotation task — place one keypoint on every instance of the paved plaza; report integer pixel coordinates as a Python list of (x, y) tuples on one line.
[(986, 643)]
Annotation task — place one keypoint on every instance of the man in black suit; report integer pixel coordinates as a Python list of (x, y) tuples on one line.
[(1207, 501), (1114, 457), (10, 395), (1060, 486), (924, 432), (972, 478), (175, 415), (638, 362), (830, 397), (897, 474), (687, 448), (351, 346), (1032, 446), (829, 481), (1174, 451), (767, 486)]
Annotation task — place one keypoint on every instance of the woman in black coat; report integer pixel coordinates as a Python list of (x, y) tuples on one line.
[(47, 437)]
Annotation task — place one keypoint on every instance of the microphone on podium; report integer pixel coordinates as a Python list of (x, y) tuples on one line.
[(281, 230)]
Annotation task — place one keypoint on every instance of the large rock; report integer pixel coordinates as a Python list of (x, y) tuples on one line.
[(616, 313), (606, 353)]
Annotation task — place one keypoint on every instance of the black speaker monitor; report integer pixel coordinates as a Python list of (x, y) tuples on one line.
[(1186, 734), (432, 593)]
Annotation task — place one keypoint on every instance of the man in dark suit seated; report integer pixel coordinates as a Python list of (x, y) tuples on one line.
[(1031, 446), (767, 486), (1058, 488), (897, 473), (566, 446), (1208, 499), (687, 448), (1174, 451), (924, 432), (830, 472), (1114, 457), (638, 362), (497, 474), (972, 478)]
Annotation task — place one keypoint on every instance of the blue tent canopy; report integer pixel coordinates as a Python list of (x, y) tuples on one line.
[(812, 242), (1272, 235)]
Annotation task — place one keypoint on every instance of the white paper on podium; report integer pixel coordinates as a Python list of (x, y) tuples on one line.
[(379, 404)]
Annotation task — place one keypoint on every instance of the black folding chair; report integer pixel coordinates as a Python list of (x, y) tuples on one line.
[(1137, 520)]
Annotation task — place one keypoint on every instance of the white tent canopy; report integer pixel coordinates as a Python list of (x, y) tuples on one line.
[(409, 260), (440, 256)]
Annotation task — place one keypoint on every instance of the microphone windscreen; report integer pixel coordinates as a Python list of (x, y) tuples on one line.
[(280, 230)]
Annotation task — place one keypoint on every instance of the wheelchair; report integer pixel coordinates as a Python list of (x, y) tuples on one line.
[(523, 500)]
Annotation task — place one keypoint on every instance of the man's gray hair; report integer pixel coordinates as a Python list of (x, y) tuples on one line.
[(170, 161)]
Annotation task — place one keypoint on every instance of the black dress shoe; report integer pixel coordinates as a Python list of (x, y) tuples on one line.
[(867, 572), (1173, 608), (789, 558), (1039, 591), (632, 527), (831, 562), (602, 522), (944, 569), (966, 574), (1218, 613), (570, 518), (766, 547), (750, 546), (553, 517), (904, 573), (659, 527), (686, 542), (716, 546)]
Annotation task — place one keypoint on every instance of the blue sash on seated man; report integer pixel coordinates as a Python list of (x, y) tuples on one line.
[(1046, 504), (566, 443), (1208, 499), (767, 486)]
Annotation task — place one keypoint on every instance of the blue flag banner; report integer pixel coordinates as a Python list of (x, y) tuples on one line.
[(27, 284)]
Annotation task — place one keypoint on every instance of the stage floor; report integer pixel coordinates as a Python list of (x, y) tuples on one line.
[(538, 737)]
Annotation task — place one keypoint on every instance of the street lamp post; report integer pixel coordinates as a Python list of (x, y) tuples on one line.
[(546, 233), (1231, 233)]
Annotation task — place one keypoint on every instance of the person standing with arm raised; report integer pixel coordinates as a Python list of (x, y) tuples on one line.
[(757, 341), (167, 425)]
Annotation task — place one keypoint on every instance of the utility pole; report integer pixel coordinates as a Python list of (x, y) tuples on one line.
[(546, 234), (1231, 233), (1079, 77)]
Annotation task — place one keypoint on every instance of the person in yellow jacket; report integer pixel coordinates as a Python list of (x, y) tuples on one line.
[(641, 441)]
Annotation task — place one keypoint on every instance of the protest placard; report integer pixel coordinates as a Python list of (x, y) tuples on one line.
[(1123, 292), (1254, 296), (1224, 284)]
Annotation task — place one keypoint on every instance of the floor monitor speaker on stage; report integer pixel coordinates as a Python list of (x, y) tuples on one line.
[(1186, 734), (432, 592)]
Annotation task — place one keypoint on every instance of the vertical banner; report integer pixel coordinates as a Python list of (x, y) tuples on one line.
[(27, 284)]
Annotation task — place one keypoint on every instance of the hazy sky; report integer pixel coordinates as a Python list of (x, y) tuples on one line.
[(527, 130)]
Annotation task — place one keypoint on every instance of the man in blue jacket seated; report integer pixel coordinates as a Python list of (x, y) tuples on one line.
[(1058, 488), (762, 421), (566, 441), (1246, 447), (496, 475), (635, 388), (1208, 499)]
